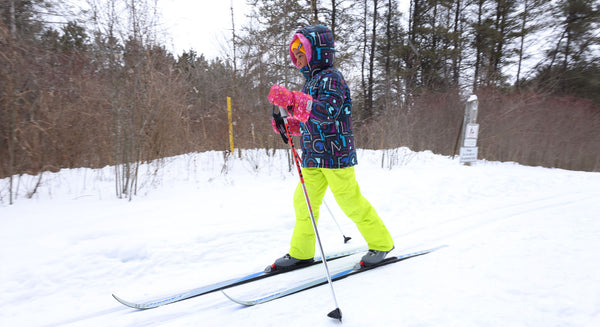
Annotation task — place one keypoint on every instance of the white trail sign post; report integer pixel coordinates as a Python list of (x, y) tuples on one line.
[(470, 132)]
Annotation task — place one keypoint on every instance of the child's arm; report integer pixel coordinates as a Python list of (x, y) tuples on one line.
[(329, 100)]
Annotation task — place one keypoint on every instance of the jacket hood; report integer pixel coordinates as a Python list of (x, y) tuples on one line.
[(319, 45)]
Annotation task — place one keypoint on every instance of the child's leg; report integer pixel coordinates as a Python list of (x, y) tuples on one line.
[(303, 241), (345, 188)]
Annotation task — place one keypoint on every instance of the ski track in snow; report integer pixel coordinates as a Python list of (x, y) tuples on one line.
[(522, 245)]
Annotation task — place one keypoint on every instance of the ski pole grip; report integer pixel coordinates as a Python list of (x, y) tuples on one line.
[(283, 113), (281, 122)]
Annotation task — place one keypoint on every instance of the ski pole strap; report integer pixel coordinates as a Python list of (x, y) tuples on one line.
[(280, 124)]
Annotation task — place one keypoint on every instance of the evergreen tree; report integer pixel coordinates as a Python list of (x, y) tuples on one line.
[(578, 21), (529, 24), (434, 45), (494, 30), (74, 37), (21, 19), (390, 86), (572, 64)]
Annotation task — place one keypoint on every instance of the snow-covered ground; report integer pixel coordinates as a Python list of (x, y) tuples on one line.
[(523, 244)]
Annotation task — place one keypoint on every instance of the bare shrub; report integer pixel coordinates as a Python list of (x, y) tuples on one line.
[(430, 122), (542, 130), (529, 128)]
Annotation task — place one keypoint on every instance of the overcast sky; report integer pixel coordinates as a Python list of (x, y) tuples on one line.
[(204, 25)]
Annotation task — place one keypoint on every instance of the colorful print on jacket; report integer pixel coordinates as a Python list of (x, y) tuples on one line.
[(327, 139)]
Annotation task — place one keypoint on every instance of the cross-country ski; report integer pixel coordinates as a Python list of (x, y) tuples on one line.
[(223, 285), (342, 272)]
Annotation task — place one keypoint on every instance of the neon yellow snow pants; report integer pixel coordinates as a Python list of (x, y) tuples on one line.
[(347, 194)]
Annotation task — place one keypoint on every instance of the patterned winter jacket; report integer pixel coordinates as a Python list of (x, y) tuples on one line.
[(327, 139)]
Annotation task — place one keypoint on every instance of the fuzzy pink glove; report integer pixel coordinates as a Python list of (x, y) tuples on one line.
[(302, 106), (281, 96), (300, 103), (293, 125)]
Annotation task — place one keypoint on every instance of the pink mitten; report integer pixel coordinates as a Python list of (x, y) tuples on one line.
[(281, 96), (301, 103), (293, 125), (302, 106)]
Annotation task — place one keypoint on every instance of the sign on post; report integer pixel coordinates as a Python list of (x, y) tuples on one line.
[(470, 132), (471, 135), (468, 154)]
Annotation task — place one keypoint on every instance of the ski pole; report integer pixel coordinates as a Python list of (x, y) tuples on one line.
[(282, 125), (346, 238)]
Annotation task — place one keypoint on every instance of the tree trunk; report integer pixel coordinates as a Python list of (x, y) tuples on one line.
[(457, 46), (478, 46), (522, 42), (364, 56), (315, 11), (369, 100)]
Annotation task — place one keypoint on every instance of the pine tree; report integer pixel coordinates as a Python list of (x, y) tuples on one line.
[(390, 86), (529, 11), (494, 30), (572, 65)]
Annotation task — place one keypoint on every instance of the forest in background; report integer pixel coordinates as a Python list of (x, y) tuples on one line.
[(102, 90)]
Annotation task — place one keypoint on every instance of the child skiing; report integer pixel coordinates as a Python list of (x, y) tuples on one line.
[(322, 115)]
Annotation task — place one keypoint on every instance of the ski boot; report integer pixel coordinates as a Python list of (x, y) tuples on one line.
[(287, 262), (373, 257)]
